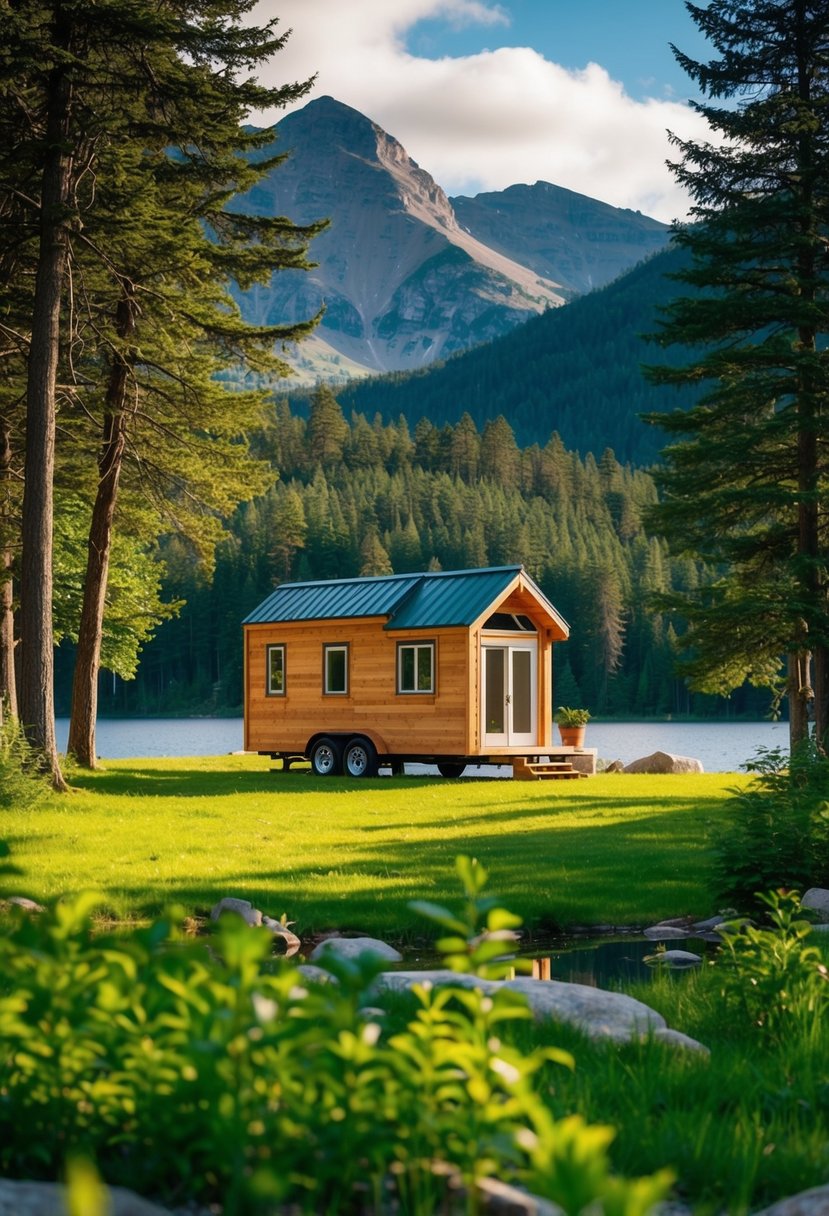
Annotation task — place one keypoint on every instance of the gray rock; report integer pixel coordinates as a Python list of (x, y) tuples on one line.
[(615, 766), (814, 1202), (500, 1199), (705, 926), (599, 1014), (665, 762), (664, 933), (353, 947), (676, 958), (242, 907), (50, 1199), (675, 1038), (817, 899), (28, 905), (820, 928), (316, 975), (292, 942)]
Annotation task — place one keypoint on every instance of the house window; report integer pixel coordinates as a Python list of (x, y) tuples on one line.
[(276, 671), (335, 669), (416, 667)]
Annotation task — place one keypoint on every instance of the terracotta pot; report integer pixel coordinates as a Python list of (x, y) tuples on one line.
[(572, 736)]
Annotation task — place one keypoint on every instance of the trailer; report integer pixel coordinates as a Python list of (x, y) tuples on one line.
[(451, 668)]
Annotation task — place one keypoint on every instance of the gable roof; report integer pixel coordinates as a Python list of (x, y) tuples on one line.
[(432, 600)]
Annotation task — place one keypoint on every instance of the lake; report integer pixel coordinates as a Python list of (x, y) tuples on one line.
[(721, 746)]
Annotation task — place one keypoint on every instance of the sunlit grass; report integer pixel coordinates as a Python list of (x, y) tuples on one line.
[(614, 849)]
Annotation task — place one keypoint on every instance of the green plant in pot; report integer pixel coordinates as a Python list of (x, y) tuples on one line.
[(571, 725)]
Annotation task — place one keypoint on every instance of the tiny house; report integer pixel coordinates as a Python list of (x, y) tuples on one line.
[(451, 668)]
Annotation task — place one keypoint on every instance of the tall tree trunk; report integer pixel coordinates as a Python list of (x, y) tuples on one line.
[(37, 694), (799, 695), (8, 682), (90, 631)]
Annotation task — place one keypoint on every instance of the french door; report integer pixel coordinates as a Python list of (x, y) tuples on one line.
[(509, 701)]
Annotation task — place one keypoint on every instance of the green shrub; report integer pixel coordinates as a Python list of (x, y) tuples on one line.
[(778, 836), (224, 1075), (22, 785)]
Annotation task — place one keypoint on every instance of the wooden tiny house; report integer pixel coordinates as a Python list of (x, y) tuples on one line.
[(450, 668)]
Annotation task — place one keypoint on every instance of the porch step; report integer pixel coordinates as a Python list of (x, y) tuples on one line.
[(547, 770)]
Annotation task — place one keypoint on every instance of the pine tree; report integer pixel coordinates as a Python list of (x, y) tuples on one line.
[(746, 475)]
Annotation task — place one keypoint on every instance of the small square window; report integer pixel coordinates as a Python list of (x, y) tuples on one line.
[(416, 667), (335, 670), (276, 671)]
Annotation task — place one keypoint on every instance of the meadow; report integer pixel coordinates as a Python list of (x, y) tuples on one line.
[(337, 854)]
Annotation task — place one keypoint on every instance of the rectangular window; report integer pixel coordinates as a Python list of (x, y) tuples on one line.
[(276, 671), (335, 669), (416, 667)]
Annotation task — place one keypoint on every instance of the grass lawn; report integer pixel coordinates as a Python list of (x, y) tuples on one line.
[(334, 853)]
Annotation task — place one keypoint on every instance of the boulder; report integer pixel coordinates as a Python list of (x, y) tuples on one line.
[(599, 1014), (615, 766), (664, 932), (817, 899), (814, 1202), (665, 762), (242, 907), (707, 926), (28, 905), (354, 947), (50, 1199), (675, 1038), (292, 942), (675, 958)]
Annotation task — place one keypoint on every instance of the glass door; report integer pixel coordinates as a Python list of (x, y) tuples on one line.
[(508, 698)]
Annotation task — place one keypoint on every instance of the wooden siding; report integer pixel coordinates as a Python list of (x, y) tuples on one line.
[(440, 723)]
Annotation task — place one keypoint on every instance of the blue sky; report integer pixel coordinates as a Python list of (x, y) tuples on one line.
[(487, 93)]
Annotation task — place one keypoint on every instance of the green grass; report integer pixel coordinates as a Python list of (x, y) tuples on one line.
[(333, 853)]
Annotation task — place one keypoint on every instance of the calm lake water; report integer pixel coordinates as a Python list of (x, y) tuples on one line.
[(721, 746)]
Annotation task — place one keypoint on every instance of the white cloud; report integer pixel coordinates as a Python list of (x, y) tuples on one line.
[(489, 120)]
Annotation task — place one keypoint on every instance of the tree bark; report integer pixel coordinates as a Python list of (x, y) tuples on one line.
[(799, 692), (37, 696), (90, 632), (8, 681)]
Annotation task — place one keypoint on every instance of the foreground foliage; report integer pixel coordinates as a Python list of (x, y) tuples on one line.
[(227, 1077)]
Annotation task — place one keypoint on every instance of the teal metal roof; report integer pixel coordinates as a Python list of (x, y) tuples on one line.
[(434, 600)]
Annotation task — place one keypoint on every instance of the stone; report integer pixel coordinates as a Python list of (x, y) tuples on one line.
[(615, 766), (354, 947), (292, 942), (665, 762), (814, 1202), (50, 1199), (599, 1014), (817, 899), (705, 926), (242, 907), (675, 958), (316, 975), (500, 1199), (28, 905), (675, 1038), (664, 933)]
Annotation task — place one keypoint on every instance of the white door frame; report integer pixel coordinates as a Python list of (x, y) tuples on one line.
[(520, 695)]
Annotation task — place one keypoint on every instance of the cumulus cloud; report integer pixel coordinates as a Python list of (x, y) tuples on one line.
[(488, 120)]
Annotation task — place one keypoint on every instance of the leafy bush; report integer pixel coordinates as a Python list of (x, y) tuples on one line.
[(779, 833), (22, 785), (222, 1074), (771, 975)]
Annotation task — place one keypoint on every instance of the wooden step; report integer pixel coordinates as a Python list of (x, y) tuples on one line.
[(549, 770)]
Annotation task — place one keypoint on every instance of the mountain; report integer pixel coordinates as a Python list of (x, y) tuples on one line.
[(403, 280), (575, 370), (580, 242)]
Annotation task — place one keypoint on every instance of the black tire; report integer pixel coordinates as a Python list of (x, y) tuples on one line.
[(451, 768), (398, 768), (326, 757), (360, 758)]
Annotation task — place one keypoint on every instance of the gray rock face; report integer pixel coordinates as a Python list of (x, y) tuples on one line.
[(814, 1202), (666, 932), (665, 762), (817, 899), (354, 947), (675, 1038), (677, 959)]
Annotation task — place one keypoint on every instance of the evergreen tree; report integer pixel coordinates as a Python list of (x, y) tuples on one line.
[(747, 474)]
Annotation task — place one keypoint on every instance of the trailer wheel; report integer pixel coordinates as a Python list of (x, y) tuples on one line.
[(326, 757), (450, 768), (360, 758)]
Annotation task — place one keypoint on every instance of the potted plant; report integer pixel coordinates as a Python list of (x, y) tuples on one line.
[(571, 725)]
